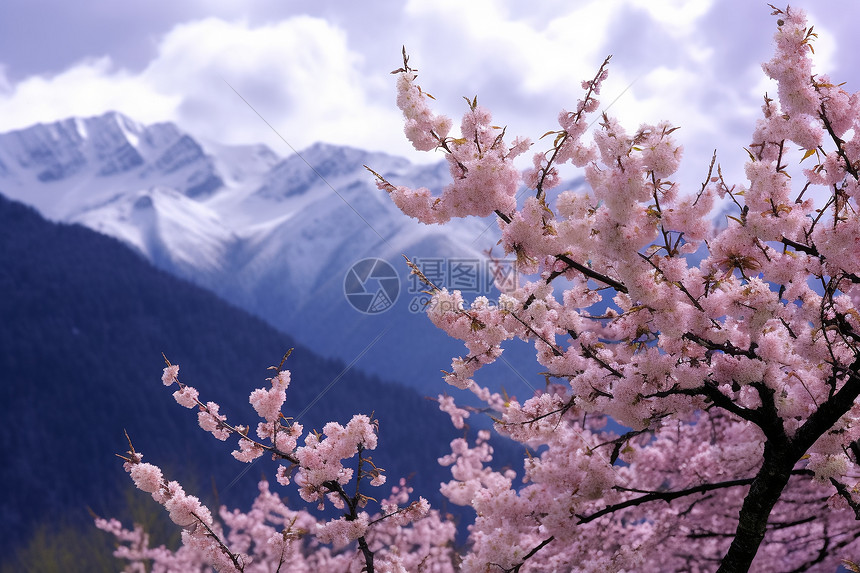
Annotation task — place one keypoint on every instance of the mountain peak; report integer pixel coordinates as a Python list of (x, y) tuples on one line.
[(301, 171), (55, 151), (108, 152)]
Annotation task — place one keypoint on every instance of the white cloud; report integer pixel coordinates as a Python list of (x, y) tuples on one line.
[(464, 47), (486, 33), (89, 88), (678, 16), (299, 75)]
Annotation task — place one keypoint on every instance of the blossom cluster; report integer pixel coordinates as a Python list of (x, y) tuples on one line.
[(484, 178), (271, 534), (199, 533)]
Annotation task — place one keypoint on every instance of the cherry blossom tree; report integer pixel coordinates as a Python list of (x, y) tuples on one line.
[(732, 355), (728, 355)]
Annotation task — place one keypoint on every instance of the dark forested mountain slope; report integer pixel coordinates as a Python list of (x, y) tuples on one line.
[(83, 323)]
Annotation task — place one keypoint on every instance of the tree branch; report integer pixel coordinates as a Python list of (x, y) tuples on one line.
[(592, 274), (660, 496)]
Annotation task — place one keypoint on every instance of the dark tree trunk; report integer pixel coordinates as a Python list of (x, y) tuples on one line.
[(780, 455), (755, 511)]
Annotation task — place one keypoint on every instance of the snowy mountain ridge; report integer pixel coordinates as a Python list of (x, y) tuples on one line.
[(272, 235)]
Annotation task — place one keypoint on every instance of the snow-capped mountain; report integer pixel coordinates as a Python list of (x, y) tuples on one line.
[(276, 236)]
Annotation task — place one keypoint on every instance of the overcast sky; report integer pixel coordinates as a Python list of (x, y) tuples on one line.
[(319, 70)]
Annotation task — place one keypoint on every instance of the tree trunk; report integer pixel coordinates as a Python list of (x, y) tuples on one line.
[(755, 511)]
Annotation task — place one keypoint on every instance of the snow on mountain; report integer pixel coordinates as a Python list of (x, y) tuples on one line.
[(71, 166), (276, 236), (172, 230), (241, 163)]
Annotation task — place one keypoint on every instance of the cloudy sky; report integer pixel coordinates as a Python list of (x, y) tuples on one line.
[(319, 70)]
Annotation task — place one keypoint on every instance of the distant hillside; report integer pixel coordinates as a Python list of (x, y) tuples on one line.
[(83, 323)]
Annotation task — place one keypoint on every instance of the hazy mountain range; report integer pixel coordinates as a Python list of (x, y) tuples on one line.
[(275, 236)]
